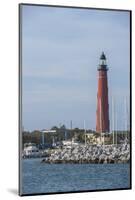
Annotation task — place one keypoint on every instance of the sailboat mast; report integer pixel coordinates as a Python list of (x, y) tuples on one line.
[(85, 132), (126, 117), (116, 124), (101, 127), (113, 118)]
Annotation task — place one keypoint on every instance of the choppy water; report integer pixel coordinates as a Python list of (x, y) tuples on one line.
[(52, 178)]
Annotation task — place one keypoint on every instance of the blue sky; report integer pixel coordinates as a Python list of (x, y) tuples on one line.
[(60, 55)]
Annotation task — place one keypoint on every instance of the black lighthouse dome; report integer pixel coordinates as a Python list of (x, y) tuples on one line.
[(102, 57), (102, 63)]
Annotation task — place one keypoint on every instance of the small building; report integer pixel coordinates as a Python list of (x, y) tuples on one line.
[(90, 138), (104, 138), (93, 138)]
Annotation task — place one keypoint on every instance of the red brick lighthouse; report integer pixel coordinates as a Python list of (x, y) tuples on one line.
[(102, 113)]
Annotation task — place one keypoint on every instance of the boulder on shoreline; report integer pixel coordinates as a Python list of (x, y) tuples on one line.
[(89, 154)]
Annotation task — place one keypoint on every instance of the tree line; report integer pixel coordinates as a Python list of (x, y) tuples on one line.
[(63, 133)]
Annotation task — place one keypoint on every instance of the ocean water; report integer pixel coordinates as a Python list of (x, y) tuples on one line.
[(39, 177)]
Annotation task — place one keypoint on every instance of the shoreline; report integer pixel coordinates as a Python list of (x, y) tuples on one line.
[(85, 161)]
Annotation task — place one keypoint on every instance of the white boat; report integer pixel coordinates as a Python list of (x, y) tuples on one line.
[(31, 151)]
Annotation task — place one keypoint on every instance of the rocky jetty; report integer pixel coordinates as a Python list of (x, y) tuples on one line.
[(90, 154)]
